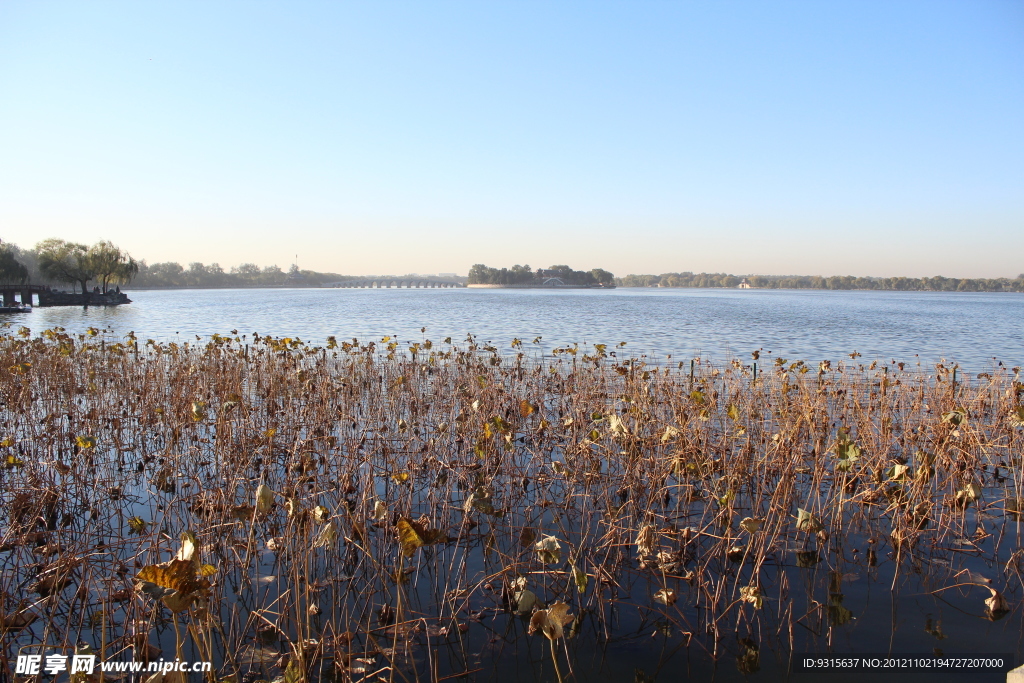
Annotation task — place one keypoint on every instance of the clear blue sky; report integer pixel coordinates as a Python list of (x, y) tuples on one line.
[(867, 138)]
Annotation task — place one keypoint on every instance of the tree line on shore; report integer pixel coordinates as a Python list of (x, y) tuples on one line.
[(843, 282), (200, 275), (58, 262), (480, 274)]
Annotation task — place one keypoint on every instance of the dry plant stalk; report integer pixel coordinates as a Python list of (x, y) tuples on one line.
[(354, 503)]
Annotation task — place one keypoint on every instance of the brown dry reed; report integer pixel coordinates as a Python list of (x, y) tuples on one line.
[(363, 511)]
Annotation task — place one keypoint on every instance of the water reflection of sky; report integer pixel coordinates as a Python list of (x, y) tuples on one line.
[(969, 328)]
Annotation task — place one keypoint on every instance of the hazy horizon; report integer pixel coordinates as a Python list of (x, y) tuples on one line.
[(868, 139)]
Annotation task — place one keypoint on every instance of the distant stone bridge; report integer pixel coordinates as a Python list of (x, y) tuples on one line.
[(397, 282)]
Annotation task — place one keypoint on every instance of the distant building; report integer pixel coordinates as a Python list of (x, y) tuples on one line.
[(447, 274), (543, 273), (744, 284)]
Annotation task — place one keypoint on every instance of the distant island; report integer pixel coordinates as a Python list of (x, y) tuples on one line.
[(524, 277), (898, 284)]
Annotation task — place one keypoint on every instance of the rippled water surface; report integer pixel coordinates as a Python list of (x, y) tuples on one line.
[(969, 328), (914, 614)]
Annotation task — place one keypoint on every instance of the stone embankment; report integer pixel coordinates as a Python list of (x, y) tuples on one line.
[(54, 297)]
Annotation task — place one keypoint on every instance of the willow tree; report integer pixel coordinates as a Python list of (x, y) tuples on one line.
[(11, 270), (110, 265), (63, 261)]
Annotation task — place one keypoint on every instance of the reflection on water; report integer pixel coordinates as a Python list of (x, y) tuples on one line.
[(968, 328), (348, 433)]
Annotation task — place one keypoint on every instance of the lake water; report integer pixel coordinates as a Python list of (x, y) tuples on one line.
[(907, 616), (969, 328)]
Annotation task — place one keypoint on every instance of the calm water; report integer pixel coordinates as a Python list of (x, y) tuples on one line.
[(969, 328)]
